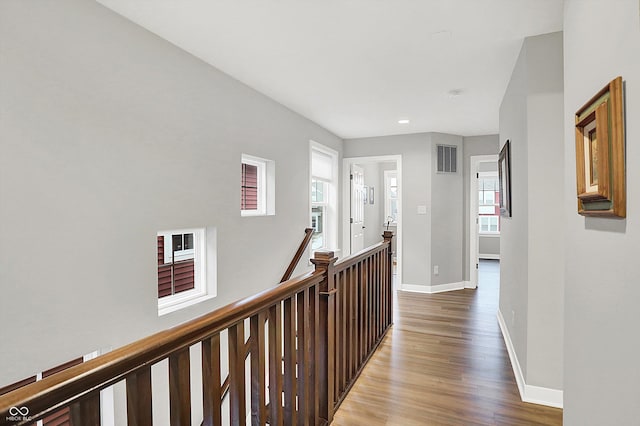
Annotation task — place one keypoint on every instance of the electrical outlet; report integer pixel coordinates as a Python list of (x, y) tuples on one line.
[(436, 271)]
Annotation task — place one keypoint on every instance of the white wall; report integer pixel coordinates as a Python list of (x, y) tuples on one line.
[(601, 373), (531, 252), (109, 134)]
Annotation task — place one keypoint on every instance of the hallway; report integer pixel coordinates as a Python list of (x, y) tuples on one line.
[(444, 362)]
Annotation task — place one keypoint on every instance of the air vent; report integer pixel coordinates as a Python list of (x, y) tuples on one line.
[(447, 159)]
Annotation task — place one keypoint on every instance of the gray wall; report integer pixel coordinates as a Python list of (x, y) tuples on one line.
[(488, 245), (446, 205), (531, 278), (434, 238), (109, 134), (601, 269), (473, 145), (416, 190)]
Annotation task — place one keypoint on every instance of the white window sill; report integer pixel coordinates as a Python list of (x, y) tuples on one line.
[(489, 234), (177, 302)]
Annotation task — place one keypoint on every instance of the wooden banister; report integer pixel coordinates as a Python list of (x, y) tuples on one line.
[(308, 233), (321, 328)]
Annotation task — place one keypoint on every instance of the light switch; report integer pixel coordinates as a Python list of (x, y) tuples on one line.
[(422, 209)]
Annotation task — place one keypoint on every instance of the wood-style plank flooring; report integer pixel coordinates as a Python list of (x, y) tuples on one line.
[(444, 362)]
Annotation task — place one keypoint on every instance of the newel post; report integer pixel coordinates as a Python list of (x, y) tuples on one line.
[(325, 357), (388, 237)]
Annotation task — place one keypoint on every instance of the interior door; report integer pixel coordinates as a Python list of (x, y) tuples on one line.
[(357, 208)]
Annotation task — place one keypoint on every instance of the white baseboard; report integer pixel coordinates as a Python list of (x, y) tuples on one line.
[(528, 393), (430, 289), (489, 256), (467, 284)]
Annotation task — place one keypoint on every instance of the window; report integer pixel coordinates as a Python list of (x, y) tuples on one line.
[(488, 204), (391, 196), (182, 269), (489, 224), (324, 171), (257, 186)]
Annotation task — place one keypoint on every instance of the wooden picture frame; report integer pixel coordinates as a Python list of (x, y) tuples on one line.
[(504, 177), (600, 169)]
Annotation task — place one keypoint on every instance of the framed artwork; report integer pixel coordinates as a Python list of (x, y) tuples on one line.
[(371, 195), (365, 195), (504, 177), (600, 168)]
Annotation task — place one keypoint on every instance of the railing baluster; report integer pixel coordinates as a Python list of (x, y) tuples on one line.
[(275, 365), (353, 320), (289, 361), (211, 378), (314, 344), (180, 388), (237, 353), (303, 356), (344, 321), (338, 338), (258, 406), (86, 411), (139, 397)]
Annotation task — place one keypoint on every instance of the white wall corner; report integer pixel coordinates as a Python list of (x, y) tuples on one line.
[(528, 393)]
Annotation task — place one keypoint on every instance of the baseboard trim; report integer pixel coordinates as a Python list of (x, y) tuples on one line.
[(528, 393), (489, 256), (431, 289)]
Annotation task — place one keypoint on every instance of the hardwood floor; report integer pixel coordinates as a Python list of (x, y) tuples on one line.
[(444, 362)]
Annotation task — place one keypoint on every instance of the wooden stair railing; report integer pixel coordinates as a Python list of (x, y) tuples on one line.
[(308, 233), (321, 328)]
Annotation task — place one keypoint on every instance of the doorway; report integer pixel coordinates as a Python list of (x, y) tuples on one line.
[(372, 200), (484, 217)]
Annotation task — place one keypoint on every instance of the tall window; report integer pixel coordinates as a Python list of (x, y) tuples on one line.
[(324, 170), (488, 205), (391, 196), (257, 186)]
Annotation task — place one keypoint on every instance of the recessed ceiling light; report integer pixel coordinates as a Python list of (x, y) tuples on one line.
[(403, 121)]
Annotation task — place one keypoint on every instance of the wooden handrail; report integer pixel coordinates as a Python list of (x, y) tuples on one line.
[(322, 328), (53, 392), (308, 233)]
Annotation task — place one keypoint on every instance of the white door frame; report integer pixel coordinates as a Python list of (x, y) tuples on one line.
[(346, 198), (473, 214)]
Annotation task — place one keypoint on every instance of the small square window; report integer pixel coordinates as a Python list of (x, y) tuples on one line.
[(185, 259)]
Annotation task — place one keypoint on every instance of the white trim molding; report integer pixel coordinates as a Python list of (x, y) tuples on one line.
[(439, 288), (528, 393), (489, 256)]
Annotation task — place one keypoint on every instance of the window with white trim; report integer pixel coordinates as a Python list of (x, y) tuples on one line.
[(391, 196), (257, 186), (324, 177), (488, 204), (182, 268)]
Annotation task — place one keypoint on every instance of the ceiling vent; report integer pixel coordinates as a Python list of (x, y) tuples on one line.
[(447, 159)]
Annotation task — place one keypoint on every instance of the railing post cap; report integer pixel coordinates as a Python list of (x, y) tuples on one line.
[(324, 258), (387, 234)]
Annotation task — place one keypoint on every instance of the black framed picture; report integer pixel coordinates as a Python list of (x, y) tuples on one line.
[(504, 174)]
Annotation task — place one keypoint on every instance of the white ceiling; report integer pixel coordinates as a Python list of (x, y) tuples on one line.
[(358, 66)]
